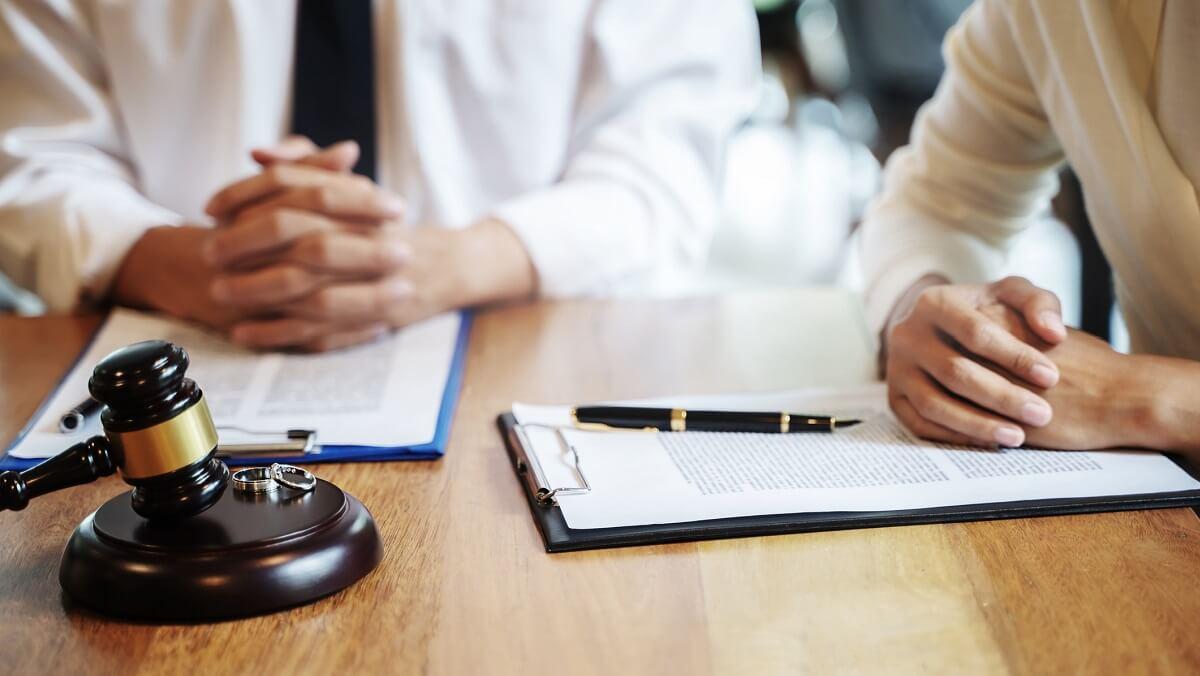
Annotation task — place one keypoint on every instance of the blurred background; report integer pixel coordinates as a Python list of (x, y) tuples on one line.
[(842, 82)]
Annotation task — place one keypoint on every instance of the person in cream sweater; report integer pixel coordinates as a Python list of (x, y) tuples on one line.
[(1031, 85)]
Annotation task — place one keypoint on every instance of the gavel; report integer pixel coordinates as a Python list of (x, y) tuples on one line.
[(158, 433)]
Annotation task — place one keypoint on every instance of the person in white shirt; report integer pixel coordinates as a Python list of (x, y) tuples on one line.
[(1109, 87), (519, 148)]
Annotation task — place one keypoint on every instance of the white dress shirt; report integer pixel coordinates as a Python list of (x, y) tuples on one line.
[(1110, 87), (595, 128)]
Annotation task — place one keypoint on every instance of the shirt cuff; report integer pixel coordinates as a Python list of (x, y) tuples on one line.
[(86, 243), (582, 236)]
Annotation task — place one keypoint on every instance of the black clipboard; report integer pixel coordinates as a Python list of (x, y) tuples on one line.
[(558, 537)]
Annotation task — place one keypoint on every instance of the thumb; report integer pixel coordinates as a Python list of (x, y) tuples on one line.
[(1040, 308)]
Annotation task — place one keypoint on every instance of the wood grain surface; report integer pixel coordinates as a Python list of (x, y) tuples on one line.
[(465, 587)]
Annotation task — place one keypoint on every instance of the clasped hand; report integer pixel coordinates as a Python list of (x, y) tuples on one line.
[(993, 365), (310, 256)]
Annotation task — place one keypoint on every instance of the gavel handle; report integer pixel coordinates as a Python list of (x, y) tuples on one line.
[(80, 464)]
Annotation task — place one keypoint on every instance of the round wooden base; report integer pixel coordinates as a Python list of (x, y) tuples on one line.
[(246, 555)]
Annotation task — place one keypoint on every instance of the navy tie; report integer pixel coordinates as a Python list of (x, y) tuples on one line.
[(333, 79)]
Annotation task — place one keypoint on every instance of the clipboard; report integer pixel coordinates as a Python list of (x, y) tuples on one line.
[(296, 446), (559, 537)]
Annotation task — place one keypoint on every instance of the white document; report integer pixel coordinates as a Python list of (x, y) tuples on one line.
[(387, 393), (641, 478)]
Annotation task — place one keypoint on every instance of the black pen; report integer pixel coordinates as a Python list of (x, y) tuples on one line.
[(681, 420), (72, 421)]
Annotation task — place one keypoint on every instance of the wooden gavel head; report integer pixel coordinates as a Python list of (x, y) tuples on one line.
[(157, 431), (160, 429)]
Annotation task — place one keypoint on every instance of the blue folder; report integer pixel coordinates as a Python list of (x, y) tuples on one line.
[(431, 450)]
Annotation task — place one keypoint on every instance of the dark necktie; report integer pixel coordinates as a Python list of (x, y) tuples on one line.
[(333, 79)]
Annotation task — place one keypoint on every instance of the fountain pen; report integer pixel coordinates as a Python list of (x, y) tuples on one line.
[(681, 420)]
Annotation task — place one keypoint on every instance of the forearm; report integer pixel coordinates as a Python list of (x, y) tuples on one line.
[(1167, 401), (491, 265)]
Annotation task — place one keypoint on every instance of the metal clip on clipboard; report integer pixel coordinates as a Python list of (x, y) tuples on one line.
[(530, 467), (299, 442)]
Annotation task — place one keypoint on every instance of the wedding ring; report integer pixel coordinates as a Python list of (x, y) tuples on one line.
[(293, 477), (254, 480)]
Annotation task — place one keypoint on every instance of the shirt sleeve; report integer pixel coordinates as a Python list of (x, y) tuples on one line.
[(981, 167), (665, 83), (69, 204)]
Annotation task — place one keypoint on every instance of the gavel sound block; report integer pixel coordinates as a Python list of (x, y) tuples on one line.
[(180, 545)]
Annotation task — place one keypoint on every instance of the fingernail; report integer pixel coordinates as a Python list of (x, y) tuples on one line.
[(1044, 376), (1053, 321), (1010, 437), (1036, 413)]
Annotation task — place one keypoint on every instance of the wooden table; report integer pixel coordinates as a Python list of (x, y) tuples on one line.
[(465, 587)]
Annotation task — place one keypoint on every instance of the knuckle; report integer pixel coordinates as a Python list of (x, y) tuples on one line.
[(979, 336), (1022, 361), (320, 249), (959, 371), (314, 197), (277, 223), (1010, 401), (926, 404), (294, 279), (324, 301)]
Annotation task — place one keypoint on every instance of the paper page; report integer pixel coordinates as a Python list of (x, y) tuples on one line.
[(387, 393), (641, 478)]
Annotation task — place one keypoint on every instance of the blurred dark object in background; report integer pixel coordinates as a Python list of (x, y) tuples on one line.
[(1097, 295), (894, 52)]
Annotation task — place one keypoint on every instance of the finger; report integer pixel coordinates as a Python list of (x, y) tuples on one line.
[(938, 406), (290, 149), (985, 338), (339, 157), (310, 188), (1040, 308), (981, 386), (294, 332), (341, 196), (908, 416), (352, 254), (263, 232), (266, 286), (342, 339), (353, 302)]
